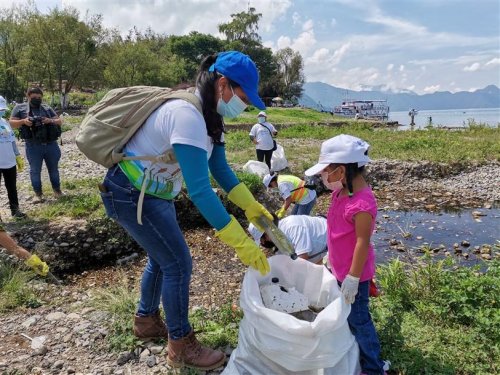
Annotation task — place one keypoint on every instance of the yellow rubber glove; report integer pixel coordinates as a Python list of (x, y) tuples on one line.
[(246, 249), (37, 265), (243, 198), (281, 212), (20, 163)]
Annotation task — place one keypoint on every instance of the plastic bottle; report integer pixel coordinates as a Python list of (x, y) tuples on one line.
[(277, 236)]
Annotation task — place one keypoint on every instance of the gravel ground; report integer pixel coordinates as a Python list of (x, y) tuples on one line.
[(75, 333)]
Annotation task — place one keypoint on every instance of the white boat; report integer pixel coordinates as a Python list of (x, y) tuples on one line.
[(363, 109)]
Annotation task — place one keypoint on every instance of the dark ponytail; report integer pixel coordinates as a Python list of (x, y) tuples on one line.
[(205, 82)]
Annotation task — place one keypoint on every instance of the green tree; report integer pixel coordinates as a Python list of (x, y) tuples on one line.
[(192, 49), (62, 47), (291, 74), (243, 27), (241, 34), (12, 44)]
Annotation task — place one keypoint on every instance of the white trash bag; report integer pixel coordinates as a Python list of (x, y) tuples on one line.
[(256, 167), (278, 161), (272, 342)]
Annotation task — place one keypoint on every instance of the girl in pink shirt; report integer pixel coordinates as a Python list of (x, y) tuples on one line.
[(350, 223)]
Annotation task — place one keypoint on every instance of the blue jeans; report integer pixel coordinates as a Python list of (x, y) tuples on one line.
[(303, 209), (361, 325), (168, 271), (36, 153)]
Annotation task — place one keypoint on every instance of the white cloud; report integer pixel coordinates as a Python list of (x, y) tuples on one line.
[(333, 22), (304, 42), (320, 56), (177, 17), (472, 68), (431, 89), (401, 68), (411, 88), (308, 25), (390, 67), (283, 42), (296, 18), (494, 61)]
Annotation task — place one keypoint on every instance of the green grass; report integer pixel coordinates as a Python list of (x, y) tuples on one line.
[(14, 291), (302, 144), (434, 318), (215, 328), (285, 116), (81, 200)]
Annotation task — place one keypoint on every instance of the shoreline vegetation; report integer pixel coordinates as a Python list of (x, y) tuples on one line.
[(434, 316)]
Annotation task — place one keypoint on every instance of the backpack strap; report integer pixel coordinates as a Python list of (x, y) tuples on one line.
[(167, 157)]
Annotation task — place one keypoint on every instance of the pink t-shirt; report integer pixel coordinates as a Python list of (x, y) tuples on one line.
[(342, 234)]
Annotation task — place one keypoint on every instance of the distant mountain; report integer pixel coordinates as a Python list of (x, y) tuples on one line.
[(320, 95)]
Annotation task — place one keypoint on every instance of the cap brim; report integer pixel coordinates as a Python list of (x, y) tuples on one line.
[(254, 98), (316, 169)]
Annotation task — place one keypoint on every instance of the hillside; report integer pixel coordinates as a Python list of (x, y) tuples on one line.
[(323, 96)]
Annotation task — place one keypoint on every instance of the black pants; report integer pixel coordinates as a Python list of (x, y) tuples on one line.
[(10, 175), (265, 154)]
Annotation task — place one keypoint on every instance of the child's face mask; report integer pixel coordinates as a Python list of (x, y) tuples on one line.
[(334, 185), (261, 120)]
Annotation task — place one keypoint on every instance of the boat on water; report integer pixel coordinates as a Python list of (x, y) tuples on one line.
[(363, 109)]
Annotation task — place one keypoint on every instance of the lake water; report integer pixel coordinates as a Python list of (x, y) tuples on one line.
[(435, 229), (448, 117)]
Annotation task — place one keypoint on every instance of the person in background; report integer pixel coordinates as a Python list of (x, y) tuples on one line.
[(10, 161), (292, 190), (40, 127), (350, 224), (31, 260), (306, 233), (192, 132), (262, 135)]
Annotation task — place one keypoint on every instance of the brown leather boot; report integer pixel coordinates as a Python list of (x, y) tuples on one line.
[(189, 352), (150, 327)]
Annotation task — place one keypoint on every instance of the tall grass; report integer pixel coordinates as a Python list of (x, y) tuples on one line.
[(434, 318), (14, 291)]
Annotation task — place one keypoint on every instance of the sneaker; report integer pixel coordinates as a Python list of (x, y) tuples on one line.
[(18, 214)]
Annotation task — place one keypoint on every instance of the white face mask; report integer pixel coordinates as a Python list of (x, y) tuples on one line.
[(261, 120), (333, 186), (232, 108)]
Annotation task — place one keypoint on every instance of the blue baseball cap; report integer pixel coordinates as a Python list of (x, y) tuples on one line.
[(240, 68)]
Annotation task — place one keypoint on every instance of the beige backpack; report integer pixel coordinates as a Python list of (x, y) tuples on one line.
[(110, 124)]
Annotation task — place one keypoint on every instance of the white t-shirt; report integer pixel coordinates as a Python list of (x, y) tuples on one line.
[(306, 233), (286, 188), (261, 134), (175, 122), (7, 156)]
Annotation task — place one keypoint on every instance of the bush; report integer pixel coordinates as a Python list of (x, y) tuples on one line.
[(435, 318)]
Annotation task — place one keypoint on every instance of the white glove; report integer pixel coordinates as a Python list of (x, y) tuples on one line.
[(349, 288)]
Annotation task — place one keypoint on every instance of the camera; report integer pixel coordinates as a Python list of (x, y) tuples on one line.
[(36, 121)]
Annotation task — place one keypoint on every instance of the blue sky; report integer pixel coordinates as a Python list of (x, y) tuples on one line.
[(418, 45)]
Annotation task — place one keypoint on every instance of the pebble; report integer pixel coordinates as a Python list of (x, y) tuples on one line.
[(52, 317)]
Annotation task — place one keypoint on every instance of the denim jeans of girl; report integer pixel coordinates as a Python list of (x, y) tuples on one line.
[(303, 209), (36, 153), (361, 325), (168, 271)]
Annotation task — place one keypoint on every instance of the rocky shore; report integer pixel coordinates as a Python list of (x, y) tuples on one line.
[(70, 333)]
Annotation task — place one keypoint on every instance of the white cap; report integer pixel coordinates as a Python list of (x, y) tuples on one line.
[(267, 179), (3, 103), (342, 149), (262, 113), (255, 233)]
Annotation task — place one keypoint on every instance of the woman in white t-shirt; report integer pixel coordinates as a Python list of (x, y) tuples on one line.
[(262, 135), (10, 159), (226, 83)]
